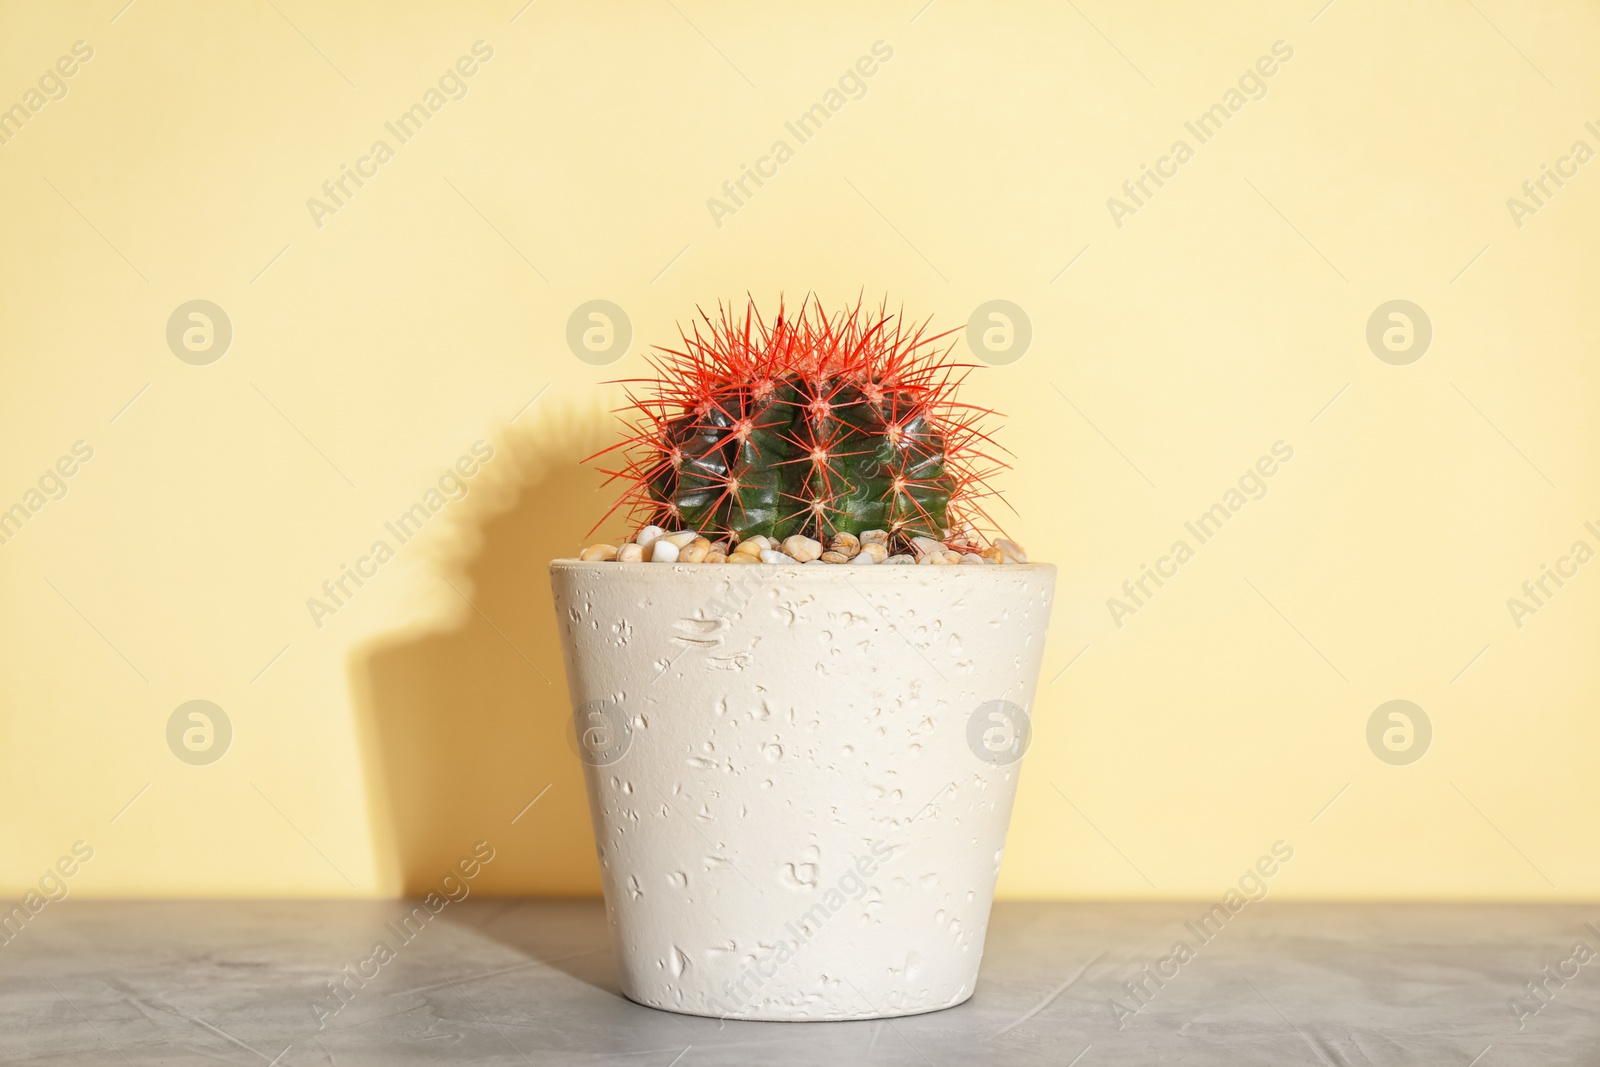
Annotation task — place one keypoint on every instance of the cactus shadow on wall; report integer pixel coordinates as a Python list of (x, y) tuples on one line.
[(464, 723)]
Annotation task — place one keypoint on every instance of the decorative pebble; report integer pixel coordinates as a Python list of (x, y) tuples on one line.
[(961, 546), (1012, 551), (802, 548), (967, 536)]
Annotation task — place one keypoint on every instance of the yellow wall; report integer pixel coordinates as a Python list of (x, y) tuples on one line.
[(1219, 318)]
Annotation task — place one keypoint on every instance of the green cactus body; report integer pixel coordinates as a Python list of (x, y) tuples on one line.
[(809, 456), (816, 425)]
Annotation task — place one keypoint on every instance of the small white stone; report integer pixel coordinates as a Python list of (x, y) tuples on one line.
[(647, 535), (927, 546), (875, 537), (681, 537), (1012, 550), (878, 553), (865, 558), (901, 559), (971, 557), (663, 551), (769, 556)]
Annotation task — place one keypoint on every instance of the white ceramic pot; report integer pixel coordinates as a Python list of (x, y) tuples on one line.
[(800, 776)]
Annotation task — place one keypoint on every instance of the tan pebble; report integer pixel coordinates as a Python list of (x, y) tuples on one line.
[(742, 557), (831, 556), (900, 559), (630, 553), (846, 544), (802, 548), (992, 554), (1012, 550), (924, 561), (972, 557), (879, 553), (875, 537), (695, 551), (646, 535), (599, 552), (681, 537), (865, 558), (927, 546)]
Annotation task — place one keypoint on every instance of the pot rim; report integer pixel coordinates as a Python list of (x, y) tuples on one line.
[(611, 566)]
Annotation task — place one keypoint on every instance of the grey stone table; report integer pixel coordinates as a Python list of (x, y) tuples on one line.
[(533, 982)]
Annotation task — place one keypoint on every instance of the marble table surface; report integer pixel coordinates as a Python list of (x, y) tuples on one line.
[(523, 982)]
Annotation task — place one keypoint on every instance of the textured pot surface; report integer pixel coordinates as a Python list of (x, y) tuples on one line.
[(800, 776)]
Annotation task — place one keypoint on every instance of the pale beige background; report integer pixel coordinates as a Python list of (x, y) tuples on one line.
[(368, 354)]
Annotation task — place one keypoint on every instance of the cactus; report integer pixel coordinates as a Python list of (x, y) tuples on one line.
[(814, 424)]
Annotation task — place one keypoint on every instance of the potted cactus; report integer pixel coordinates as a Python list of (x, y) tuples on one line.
[(801, 770)]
